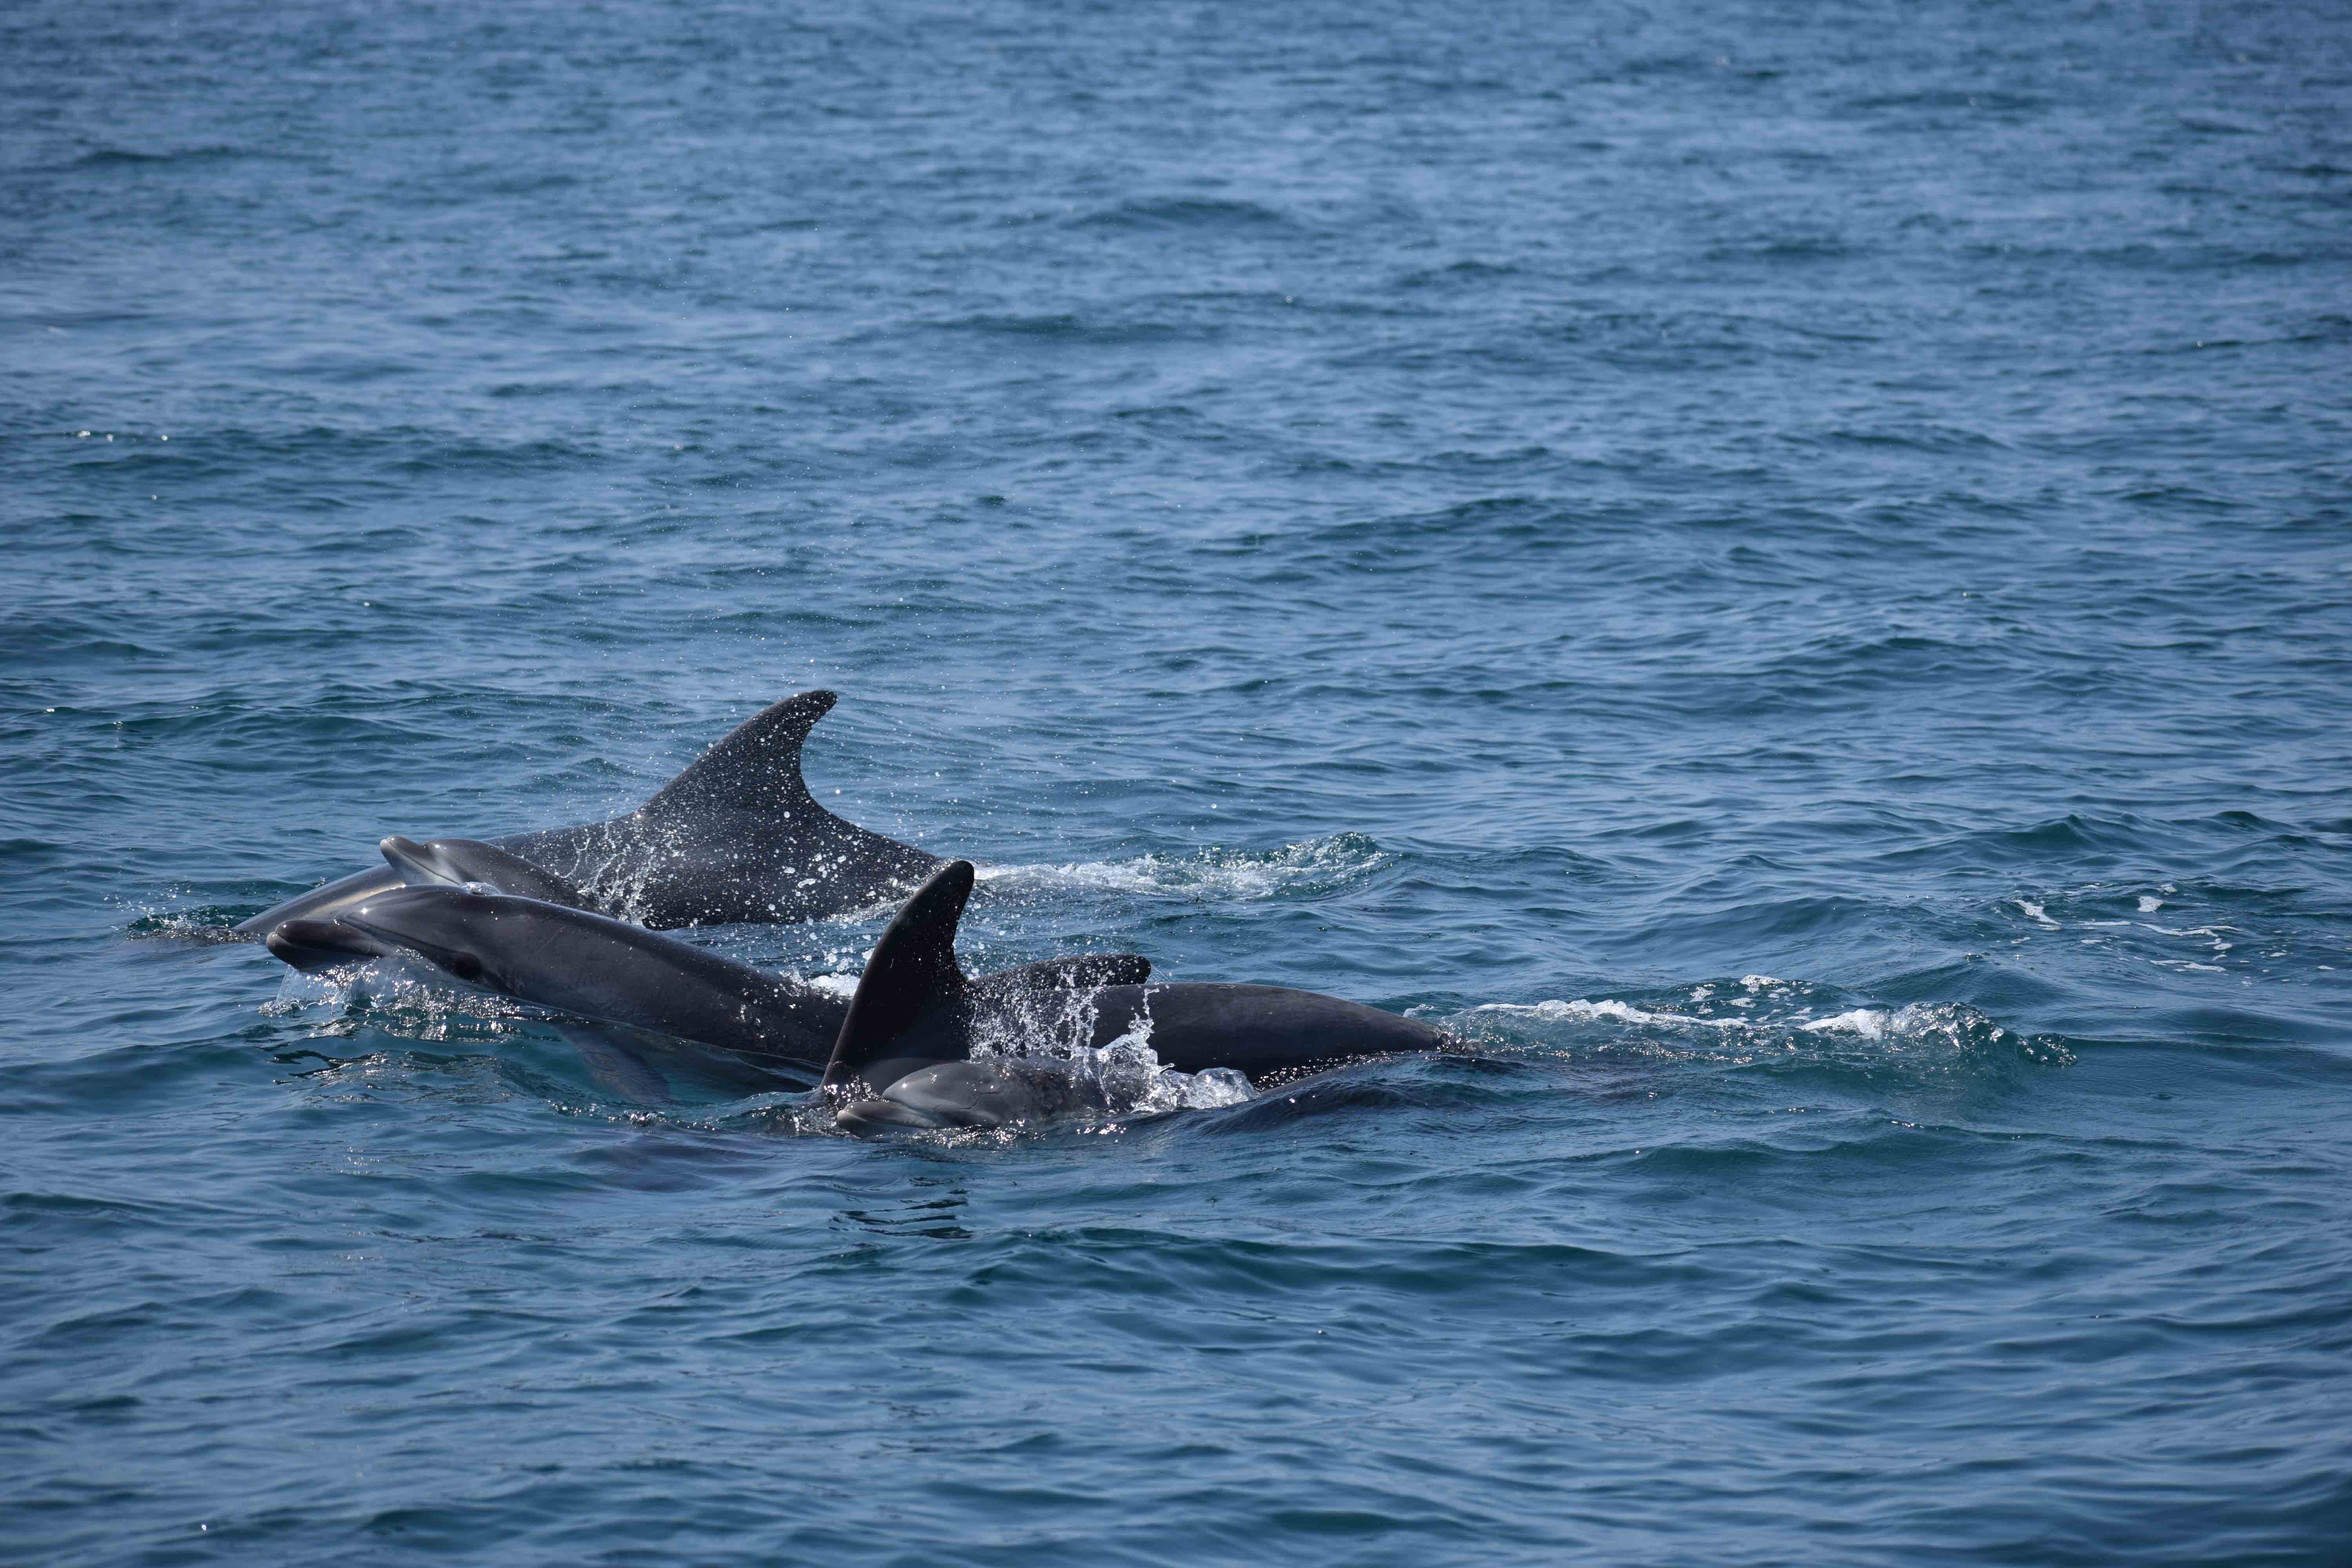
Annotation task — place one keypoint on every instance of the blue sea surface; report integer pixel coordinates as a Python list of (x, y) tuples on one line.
[(1784, 570)]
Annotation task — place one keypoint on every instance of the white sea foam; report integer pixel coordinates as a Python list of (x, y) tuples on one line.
[(1867, 1022), (1216, 874), (1921, 1033)]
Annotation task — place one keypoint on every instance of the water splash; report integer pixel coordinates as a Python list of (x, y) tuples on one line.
[(1055, 1026), (203, 927), (400, 996)]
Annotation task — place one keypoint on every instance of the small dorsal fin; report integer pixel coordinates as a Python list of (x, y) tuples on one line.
[(913, 970), (756, 767)]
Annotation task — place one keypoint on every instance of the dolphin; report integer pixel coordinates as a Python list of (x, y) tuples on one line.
[(735, 838), (906, 1057), (593, 966), (580, 963)]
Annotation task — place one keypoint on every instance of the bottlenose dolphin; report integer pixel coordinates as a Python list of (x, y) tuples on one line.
[(595, 967), (736, 837), (905, 1057), (580, 962)]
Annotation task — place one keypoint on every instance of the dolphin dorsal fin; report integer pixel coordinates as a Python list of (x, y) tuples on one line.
[(756, 767), (913, 969)]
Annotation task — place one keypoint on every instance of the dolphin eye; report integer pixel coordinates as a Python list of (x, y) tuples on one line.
[(464, 965)]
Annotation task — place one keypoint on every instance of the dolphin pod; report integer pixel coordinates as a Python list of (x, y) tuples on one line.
[(738, 837), (735, 838), (920, 1044)]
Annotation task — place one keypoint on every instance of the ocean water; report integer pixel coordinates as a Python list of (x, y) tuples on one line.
[(1783, 570)]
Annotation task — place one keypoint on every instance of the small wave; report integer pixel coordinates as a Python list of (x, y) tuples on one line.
[(1186, 213), (184, 157), (1773, 1023), (1067, 328), (2152, 920), (1308, 868)]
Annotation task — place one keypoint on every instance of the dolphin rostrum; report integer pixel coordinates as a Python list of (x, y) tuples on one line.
[(906, 1054), (735, 838)]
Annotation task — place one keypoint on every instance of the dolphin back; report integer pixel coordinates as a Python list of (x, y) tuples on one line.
[(1260, 1031)]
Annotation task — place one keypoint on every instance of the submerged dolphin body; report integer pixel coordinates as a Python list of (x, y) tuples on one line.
[(905, 1055), (595, 967), (736, 837)]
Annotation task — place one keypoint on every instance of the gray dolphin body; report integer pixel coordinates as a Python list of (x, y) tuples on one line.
[(580, 962), (735, 838), (905, 1055), (593, 966)]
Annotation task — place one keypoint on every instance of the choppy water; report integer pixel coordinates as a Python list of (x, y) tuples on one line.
[(1783, 568)]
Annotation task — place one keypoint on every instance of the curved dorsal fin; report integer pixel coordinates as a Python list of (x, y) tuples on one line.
[(913, 970), (756, 767)]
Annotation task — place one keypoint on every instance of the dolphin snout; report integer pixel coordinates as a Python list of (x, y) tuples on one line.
[(312, 946)]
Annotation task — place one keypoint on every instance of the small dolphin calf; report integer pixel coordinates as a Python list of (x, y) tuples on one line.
[(905, 1055), (736, 837)]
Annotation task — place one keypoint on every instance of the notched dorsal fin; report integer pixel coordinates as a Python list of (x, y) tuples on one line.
[(912, 971), (756, 767)]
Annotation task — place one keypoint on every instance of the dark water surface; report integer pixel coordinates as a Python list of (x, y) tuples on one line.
[(1783, 568)]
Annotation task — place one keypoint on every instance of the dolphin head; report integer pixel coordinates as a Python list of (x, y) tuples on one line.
[(445, 926), (312, 946)]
